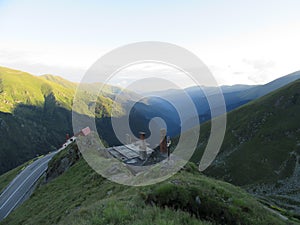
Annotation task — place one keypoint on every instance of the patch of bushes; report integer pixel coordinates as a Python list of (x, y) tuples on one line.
[(215, 205)]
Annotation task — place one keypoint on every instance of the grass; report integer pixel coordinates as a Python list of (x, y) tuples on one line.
[(20, 87), (81, 196), (35, 114), (260, 144), (7, 177)]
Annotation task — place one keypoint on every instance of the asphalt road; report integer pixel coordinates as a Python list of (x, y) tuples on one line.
[(21, 185)]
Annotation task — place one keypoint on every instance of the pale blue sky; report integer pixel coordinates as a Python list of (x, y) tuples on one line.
[(241, 41)]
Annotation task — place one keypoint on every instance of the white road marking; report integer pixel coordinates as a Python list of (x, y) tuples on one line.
[(12, 208), (19, 174), (22, 184)]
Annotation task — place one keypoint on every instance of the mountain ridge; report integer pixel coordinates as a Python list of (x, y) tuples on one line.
[(234, 96), (36, 114), (261, 146)]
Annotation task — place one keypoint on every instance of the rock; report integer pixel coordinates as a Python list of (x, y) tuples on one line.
[(176, 182), (59, 166), (198, 200)]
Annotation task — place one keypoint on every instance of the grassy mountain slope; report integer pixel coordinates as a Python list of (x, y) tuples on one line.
[(58, 80), (80, 196), (35, 114), (18, 87), (261, 148)]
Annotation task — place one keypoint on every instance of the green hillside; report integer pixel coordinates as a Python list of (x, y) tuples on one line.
[(23, 88), (58, 80), (81, 196), (35, 114), (261, 149)]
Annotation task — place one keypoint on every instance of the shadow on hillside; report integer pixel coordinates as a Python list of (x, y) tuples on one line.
[(30, 131)]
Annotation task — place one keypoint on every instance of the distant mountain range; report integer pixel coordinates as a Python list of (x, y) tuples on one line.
[(158, 103)]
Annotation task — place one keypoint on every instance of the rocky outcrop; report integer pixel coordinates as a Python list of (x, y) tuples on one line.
[(62, 162)]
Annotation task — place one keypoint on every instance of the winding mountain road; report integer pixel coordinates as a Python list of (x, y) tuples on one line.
[(17, 190)]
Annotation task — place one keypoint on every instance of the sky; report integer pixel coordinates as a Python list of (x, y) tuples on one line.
[(241, 42)]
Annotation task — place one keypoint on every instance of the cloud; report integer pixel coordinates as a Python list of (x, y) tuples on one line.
[(144, 71), (260, 64), (38, 61), (261, 70)]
